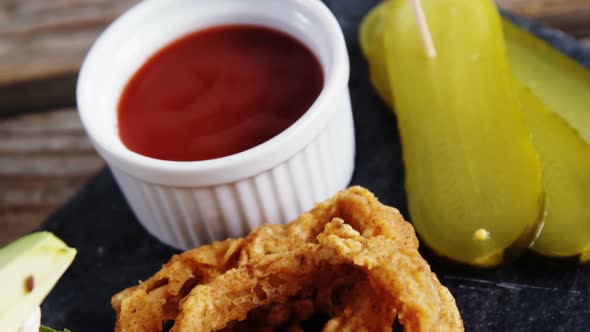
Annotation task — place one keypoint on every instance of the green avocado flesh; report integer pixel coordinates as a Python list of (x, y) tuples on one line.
[(29, 268), (473, 177)]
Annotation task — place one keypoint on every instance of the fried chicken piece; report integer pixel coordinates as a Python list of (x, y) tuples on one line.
[(226, 284), (343, 294), (400, 273), (363, 309), (146, 306)]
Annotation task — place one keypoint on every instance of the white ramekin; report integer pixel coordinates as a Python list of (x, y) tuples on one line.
[(185, 204)]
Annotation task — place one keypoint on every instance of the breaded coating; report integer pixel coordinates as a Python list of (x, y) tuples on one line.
[(351, 259)]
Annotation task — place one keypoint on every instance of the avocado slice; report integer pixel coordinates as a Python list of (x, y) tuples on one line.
[(29, 268), (32, 322)]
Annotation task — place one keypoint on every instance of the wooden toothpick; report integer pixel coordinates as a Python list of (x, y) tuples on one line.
[(424, 30)]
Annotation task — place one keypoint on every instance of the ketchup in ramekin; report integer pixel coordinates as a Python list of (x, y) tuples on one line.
[(217, 92)]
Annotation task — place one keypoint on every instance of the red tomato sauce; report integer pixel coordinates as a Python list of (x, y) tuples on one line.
[(217, 92)]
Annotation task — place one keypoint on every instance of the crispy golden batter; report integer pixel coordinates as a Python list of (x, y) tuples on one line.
[(351, 259)]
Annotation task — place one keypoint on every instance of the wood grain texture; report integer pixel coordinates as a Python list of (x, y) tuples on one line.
[(572, 16), (44, 158), (43, 43)]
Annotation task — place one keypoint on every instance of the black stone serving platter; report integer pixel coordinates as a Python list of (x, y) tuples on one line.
[(114, 251)]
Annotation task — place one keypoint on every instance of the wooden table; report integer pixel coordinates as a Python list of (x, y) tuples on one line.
[(44, 154)]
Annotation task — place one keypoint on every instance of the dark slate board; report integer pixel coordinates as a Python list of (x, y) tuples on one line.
[(115, 251)]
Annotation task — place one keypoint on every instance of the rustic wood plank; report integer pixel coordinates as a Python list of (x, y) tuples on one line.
[(55, 122), (42, 43), (14, 223), (572, 16), (44, 38), (44, 159)]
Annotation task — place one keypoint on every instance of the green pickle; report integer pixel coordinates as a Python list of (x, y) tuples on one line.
[(371, 41), (473, 177), (554, 92), (565, 161), (562, 84), (559, 90)]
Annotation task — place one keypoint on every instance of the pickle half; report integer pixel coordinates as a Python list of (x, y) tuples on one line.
[(565, 161), (555, 92), (473, 177)]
